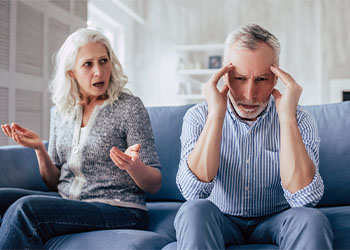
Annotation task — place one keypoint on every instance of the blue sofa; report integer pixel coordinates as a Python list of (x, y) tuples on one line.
[(19, 168)]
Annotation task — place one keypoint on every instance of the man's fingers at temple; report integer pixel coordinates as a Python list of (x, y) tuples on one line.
[(284, 76), (224, 90), (216, 76)]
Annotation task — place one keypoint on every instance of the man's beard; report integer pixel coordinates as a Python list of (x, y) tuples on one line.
[(248, 114)]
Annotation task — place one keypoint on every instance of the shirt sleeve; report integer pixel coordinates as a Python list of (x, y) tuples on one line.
[(188, 183), (139, 131), (311, 194)]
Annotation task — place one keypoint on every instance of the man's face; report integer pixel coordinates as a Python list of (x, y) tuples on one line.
[(251, 82)]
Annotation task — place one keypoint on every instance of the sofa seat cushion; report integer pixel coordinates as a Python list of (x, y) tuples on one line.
[(173, 246), (161, 218), (109, 239), (339, 217)]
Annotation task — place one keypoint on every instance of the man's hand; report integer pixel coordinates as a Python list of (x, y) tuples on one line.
[(217, 100), (287, 103), (126, 160)]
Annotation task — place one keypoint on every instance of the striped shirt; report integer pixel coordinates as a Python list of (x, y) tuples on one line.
[(248, 180)]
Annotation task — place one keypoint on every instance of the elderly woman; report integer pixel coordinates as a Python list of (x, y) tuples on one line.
[(101, 156)]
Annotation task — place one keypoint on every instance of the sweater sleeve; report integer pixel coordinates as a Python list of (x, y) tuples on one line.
[(139, 131), (52, 150)]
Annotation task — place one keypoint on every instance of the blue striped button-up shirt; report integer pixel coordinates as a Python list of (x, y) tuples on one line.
[(248, 180)]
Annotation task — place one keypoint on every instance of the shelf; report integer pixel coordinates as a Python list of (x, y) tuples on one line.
[(194, 68), (197, 71)]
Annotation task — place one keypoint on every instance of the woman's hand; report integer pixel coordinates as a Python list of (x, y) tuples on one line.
[(147, 178), (22, 136), (127, 160)]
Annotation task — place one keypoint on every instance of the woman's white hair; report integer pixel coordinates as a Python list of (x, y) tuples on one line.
[(248, 36), (64, 89)]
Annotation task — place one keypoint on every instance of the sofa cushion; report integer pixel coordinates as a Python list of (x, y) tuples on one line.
[(333, 121), (173, 246), (167, 125), (161, 218), (339, 217), (19, 168)]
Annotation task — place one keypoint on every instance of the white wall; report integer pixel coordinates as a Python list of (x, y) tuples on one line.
[(31, 32), (114, 19), (314, 36)]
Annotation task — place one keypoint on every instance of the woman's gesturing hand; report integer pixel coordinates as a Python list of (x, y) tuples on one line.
[(129, 159), (22, 136)]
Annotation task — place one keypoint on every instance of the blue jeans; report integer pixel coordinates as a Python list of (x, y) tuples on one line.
[(31, 218), (200, 224)]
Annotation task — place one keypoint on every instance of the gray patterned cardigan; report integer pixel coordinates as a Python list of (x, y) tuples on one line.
[(92, 175)]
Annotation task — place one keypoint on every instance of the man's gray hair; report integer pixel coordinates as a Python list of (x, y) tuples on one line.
[(248, 36)]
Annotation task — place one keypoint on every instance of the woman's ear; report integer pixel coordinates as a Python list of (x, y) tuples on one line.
[(71, 74)]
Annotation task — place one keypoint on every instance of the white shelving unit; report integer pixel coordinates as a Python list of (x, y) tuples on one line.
[(195, 68)]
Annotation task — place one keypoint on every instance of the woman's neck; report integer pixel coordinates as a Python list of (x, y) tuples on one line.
[(93, 100)]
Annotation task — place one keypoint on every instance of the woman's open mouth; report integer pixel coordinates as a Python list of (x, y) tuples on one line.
[(98, 84)]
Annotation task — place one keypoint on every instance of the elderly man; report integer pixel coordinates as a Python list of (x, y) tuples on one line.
[(249, 157)]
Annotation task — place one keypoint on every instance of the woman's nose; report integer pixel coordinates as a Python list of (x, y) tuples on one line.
[(97, 70)]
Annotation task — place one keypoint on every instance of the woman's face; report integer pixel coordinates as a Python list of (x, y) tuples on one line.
[(92, 70)]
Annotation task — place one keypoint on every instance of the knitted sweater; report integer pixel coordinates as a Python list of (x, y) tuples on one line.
[(87, 171)]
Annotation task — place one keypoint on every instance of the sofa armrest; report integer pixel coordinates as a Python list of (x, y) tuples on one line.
[(19, 168)]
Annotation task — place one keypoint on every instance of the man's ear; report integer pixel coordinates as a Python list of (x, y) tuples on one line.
[(275, 80), (71, 74)]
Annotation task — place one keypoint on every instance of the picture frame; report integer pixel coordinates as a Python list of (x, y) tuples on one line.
[(214, 62)]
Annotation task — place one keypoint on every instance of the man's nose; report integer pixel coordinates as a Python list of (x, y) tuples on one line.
[(250, 91)]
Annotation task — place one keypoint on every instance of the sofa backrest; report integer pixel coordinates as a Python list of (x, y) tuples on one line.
[(167, 125), (334, 129), (333, 121), (19, 167)]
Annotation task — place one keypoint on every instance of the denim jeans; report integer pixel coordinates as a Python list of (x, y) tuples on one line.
[(31, 218), (200, 224)]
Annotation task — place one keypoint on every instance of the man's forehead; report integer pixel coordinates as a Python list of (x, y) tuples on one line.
[(243, 72), (251, 61)]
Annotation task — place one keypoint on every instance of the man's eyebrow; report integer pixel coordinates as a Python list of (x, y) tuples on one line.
[(264, 74), (239, 74)]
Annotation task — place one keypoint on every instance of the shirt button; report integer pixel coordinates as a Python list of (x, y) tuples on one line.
[(246, 188), (247, 161)]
